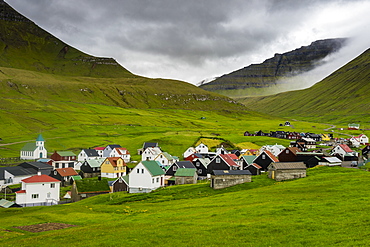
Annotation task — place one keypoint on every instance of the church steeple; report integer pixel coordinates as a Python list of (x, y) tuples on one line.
[(40, 141)]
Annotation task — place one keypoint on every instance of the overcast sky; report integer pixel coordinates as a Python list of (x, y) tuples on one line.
[(192, 40)]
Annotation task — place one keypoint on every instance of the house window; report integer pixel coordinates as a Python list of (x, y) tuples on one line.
[(52, 185), (107, 162), (56, 165), (199, 171), (35, 196), (287, 151), (142, 170), (174, 168), (152, 180), (157, 180), (138, 170), (218, 160), (263, 156)]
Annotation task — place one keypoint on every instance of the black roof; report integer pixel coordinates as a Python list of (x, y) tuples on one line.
[(231, 172), (19, 171), (150, 145), (185, 164), (91, 152), (114, 146), (38, 166)]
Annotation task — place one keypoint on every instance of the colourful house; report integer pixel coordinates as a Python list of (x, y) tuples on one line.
[(113, 167)]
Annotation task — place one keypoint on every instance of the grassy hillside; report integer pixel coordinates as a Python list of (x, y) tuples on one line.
[(342, 97), (24, 45), (328, 208)]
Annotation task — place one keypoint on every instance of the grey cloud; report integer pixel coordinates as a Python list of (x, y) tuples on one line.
[(180, 39)]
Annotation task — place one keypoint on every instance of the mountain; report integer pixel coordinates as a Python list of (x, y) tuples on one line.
[(36, 65), (269, 76), (342, 97)]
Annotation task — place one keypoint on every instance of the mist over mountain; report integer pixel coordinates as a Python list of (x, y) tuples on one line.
[(275, 74)]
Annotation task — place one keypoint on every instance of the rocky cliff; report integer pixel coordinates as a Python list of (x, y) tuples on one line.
[(275, 69)]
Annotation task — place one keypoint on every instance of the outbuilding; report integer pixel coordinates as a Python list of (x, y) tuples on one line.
[(280, 171), (225, 178)]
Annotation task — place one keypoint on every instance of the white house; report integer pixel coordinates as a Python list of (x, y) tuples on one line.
[(356, 141), (150, 153), (165, 159), (88, 154), (36, 150), (274, 149), (38, 190), (189, 151), (343, 150), (145, 177), (100, 151), (121, 152), (221, 150), (108, 149), (202, 148)]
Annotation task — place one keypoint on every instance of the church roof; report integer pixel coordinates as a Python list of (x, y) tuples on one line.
[(40, 138)]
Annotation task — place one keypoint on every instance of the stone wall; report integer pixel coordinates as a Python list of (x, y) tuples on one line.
[(281, 175), (224, 181)]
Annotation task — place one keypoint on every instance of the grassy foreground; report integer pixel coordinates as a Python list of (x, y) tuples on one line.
[(328, 208)]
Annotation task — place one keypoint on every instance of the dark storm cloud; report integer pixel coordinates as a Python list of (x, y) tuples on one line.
[(188, 40)]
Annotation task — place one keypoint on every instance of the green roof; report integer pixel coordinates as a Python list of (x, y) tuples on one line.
[(40, 138), (153, 167), (76, 177), (95, 162), (92, 185), (29, 147), (5, 203), (185, 172), (249, 158), (168, 156), (66, 153)]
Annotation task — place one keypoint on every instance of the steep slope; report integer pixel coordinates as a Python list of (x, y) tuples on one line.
[(341, 97), (264, 78), (35, 65), (24, 45)]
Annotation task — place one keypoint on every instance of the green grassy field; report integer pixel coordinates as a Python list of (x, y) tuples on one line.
[(328, 208)]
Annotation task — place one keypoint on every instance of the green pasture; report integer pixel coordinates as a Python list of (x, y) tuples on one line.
[(328, 208)]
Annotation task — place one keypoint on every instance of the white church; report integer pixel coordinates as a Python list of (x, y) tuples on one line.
[(32, 151)]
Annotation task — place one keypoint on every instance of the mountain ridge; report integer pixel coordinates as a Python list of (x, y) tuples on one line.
[(274, 71)]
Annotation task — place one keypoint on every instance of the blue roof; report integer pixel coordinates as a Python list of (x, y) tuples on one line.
[(40, 138)]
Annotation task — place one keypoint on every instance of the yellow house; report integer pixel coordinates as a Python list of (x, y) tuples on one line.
[(325, 137), (252, 152), (113, 167)]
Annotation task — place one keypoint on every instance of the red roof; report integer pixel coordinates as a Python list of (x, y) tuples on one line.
[(228, 160), (271, 156), (65, 172), (346, 148), (40, 179), (257, 166), (233, 156), (113, 161), (125, 151), (20, 191), (99, 148)]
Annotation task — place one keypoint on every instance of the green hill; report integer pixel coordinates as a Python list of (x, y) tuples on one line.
[(342, 97), (24, 45), (328, 208)]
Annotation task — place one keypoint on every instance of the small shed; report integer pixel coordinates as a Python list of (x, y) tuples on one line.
[(280, 171), (225, 178), (120, 184), (186, 176), (8, 204)]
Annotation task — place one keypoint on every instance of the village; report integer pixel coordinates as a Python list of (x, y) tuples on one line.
[(109, 169)]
